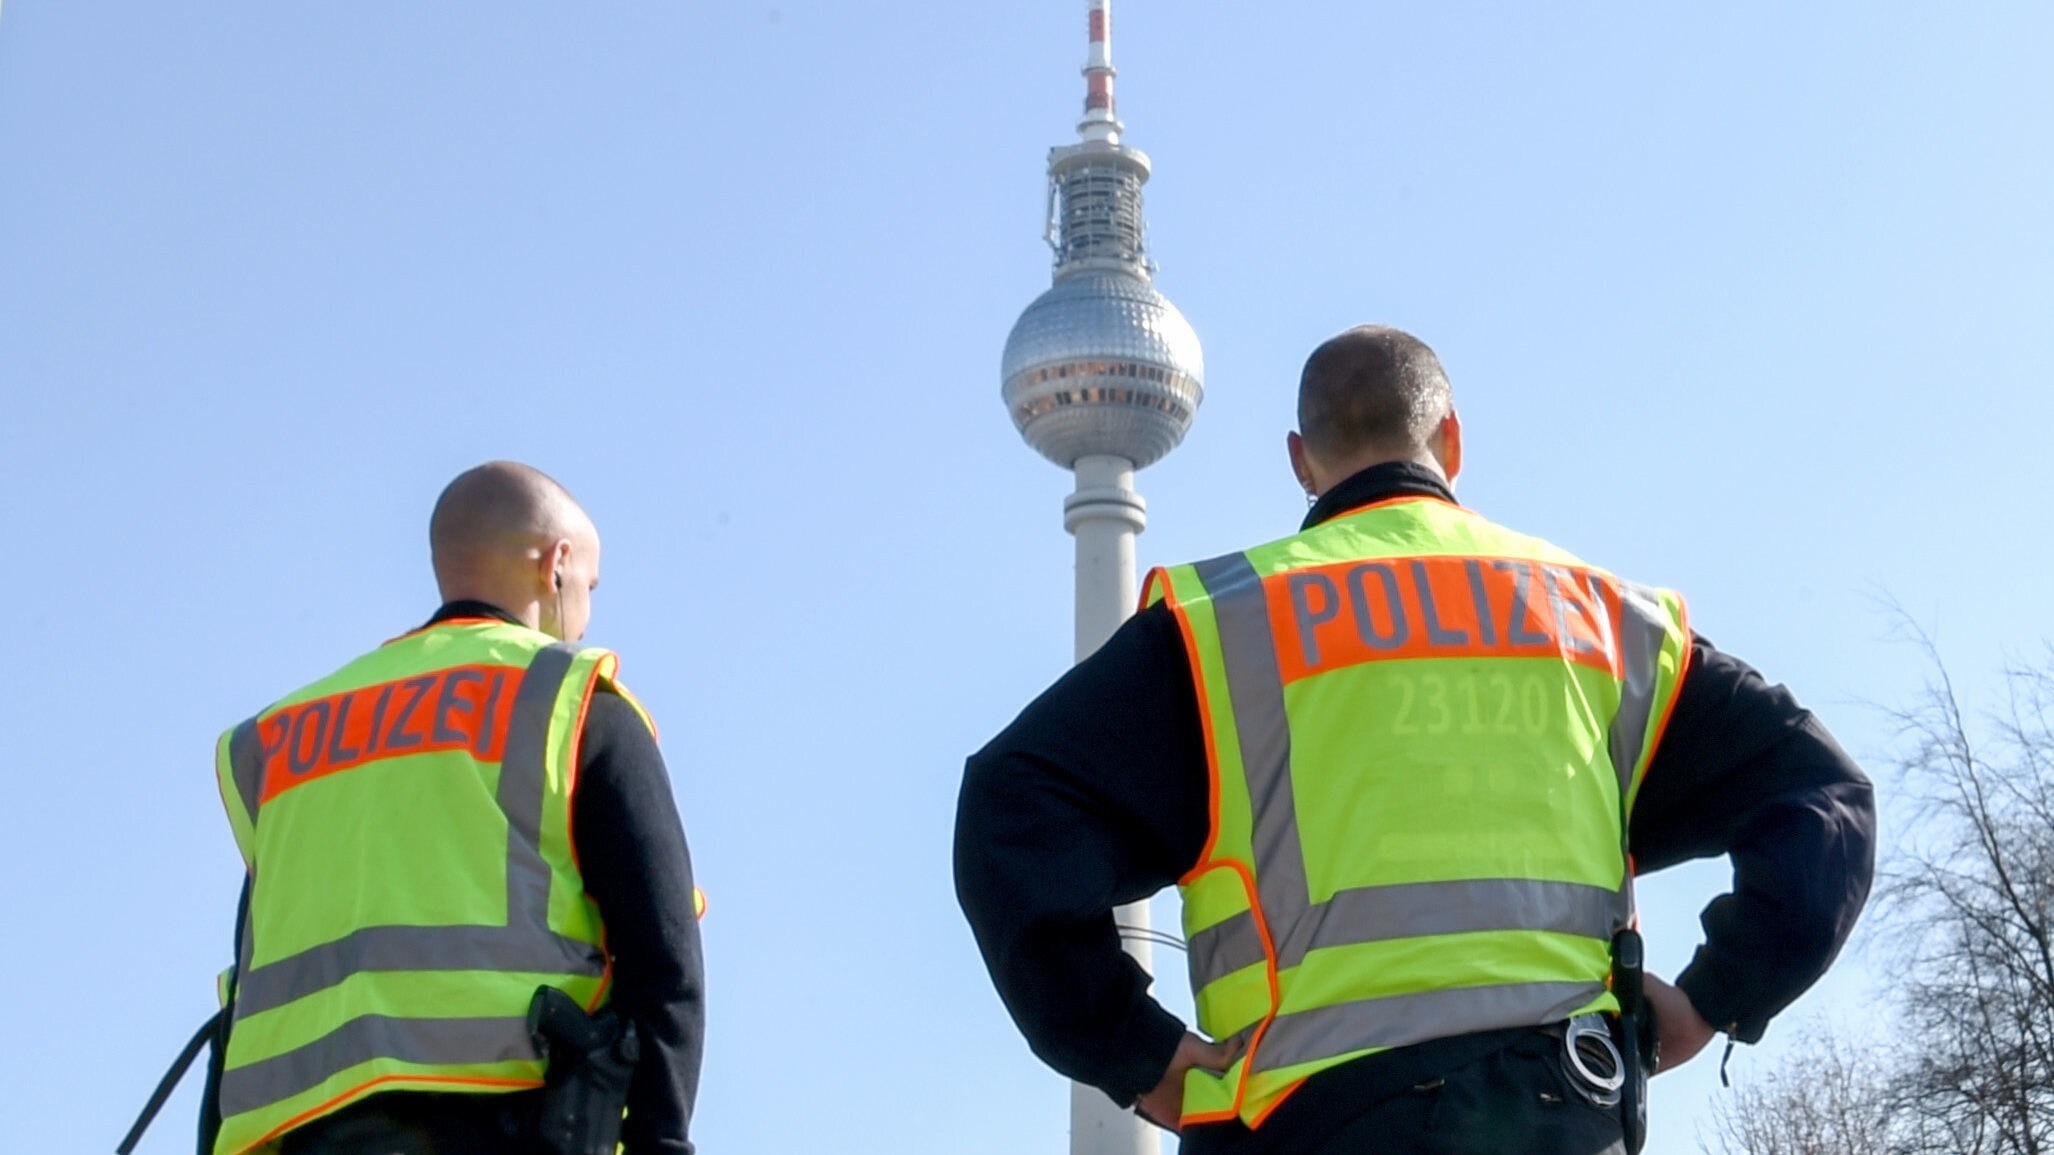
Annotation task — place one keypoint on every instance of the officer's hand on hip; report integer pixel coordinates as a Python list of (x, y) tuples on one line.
[(1680, 1031), (1164, 1106)]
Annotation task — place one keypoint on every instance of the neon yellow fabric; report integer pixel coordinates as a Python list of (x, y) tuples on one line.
[(1433, 728), (406, 822)]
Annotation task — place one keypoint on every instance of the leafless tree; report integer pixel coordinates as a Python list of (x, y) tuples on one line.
[(1967, 919), (1971, 909), (1833, 1105)]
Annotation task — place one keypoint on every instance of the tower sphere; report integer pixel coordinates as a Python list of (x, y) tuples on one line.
[(1102, 364)]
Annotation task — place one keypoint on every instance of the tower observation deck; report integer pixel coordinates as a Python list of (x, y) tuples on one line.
[(1102, 375), (1102, 363)]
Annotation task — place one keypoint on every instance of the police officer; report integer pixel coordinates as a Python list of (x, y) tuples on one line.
[(468, 813), (1397, 763)]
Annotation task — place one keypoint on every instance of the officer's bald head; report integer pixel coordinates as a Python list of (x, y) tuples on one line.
[(508, 534), (1372, 391)]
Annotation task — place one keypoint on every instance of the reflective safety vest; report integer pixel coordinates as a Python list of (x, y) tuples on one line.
[(1425, 734), (406, 824)]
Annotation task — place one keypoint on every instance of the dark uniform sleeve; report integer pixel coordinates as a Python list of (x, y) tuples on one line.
[(631, 850), (1743, 770), (1095, 796)]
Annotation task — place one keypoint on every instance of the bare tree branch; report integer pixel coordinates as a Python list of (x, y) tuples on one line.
[(1968, 917)]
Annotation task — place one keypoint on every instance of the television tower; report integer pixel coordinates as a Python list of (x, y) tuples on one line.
[(1103, 376)]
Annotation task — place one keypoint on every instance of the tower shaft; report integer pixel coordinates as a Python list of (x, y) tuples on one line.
[(1104, 514)]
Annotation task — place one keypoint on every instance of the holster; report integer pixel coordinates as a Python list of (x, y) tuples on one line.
[(589, 1061), (1635, 1035), (1636, 1046)]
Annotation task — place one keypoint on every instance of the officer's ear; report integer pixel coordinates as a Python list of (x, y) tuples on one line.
[(1301, 465), (549, 566), (1447, 447)]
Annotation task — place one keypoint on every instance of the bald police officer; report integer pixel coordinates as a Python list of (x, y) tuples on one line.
[(468, 818)]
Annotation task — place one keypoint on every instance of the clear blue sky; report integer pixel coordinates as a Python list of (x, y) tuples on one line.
[(1750, 299)]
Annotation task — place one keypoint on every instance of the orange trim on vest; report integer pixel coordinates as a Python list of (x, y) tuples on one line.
[(1206, 862), (1212, 766), (1264, 1114), (359, 1091), (1158, 576), (570, 795), (570, 769), (460, 708), (1269, 966), (1675, 694)]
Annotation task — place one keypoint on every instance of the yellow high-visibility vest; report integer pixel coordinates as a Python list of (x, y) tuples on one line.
[(406, 825), (1425, 734)]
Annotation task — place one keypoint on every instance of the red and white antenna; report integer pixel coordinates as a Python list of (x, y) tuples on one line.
[(1099, 123)]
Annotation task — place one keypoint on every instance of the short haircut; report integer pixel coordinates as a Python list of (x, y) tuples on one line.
[(497, 509), (1372, 387)]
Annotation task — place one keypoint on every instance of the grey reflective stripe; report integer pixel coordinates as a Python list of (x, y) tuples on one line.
[(1372, 914), (246, 765), (1223, 948), (525, 944), (1642, 630), (517, 948), (1410, 910), (438, 1042), (1401, 1020), (1256, 688), (523, 780)]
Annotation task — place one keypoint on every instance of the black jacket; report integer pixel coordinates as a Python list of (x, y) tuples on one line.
[(631, 851), (1097, 795)]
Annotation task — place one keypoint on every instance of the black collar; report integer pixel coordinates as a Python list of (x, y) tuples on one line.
[(1378, 483), (451, 611)]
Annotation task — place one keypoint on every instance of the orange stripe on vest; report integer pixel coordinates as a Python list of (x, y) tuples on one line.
[(1332, 616), (463, 708)]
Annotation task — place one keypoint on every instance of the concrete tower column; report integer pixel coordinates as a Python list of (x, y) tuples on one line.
[(1105, 514)]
